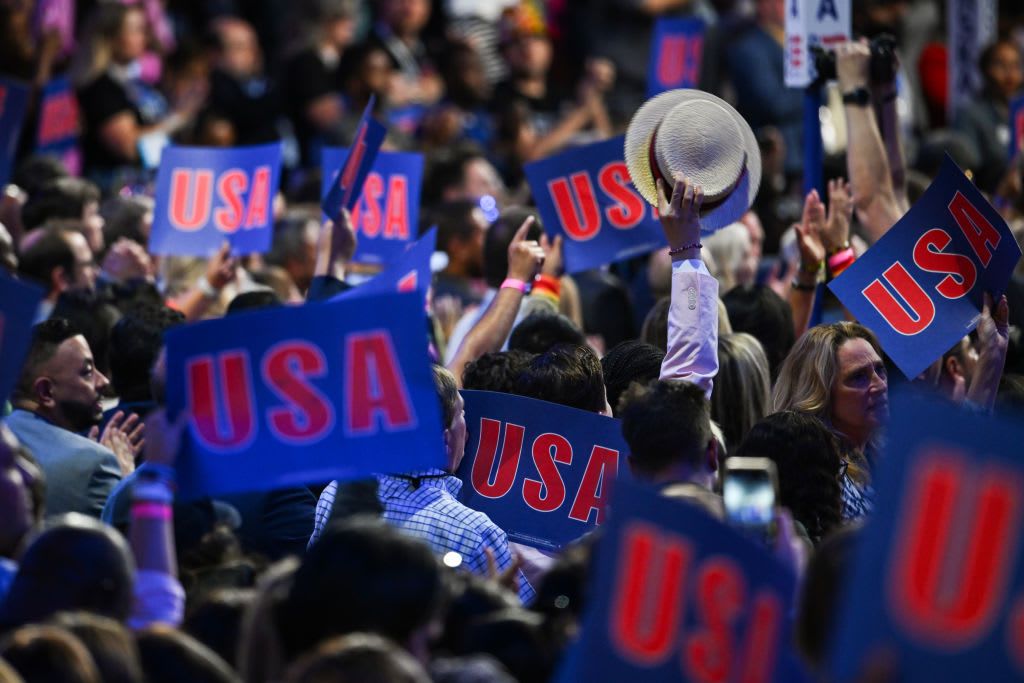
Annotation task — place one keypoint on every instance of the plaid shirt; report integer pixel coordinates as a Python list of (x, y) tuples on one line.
[(433, 513)]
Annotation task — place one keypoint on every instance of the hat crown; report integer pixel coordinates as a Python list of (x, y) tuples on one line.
[(700, 139), (696, 134)]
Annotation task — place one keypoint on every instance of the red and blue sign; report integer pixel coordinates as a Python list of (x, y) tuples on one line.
[(410, 273), (13, 103), (938, 578), (1016, 126), (676, 54), (540, 470), (680, 596), (18, 304), (343, 188), (920, 287), (586, 195), (58, 129), (386, 216), (206, 195), (305, 394)]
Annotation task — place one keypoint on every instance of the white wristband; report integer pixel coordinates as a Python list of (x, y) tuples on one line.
[(207, 290)]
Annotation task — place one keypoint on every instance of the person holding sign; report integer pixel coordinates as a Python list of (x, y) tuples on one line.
[(425, 503)]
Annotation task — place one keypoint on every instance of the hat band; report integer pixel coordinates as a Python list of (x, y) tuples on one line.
[(705, 207)]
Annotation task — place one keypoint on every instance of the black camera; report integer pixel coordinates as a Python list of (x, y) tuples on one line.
[(881, 68)]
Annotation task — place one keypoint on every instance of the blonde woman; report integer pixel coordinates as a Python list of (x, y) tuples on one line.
[(742, 391), (836, 373), (118, 109)]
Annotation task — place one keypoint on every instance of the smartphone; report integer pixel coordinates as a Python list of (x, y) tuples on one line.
[(750, 487)]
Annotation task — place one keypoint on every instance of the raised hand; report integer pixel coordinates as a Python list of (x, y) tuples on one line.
[(810, 231), (164, 437), (220, 269), (124, 437), (525, 257), (836, 233), (680, 216), (554, 264)]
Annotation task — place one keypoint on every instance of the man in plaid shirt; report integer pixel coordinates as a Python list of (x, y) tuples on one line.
[(425, 503)]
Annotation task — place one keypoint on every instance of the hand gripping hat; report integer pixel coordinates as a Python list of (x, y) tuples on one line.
[(701, 136)]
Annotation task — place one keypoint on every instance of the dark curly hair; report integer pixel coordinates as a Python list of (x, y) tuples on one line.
[(808, 458), (496, 371), (566, 374)]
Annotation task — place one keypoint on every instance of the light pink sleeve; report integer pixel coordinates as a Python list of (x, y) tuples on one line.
[(692, 326)]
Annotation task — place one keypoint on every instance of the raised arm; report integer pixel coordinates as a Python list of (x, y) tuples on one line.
[(158, 595), (525, 258), (334, 251), (812, 262), (874, 196), (692, 353), (220, 270), (993, 339)]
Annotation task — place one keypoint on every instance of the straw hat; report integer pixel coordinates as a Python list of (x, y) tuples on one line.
[(701, 136)]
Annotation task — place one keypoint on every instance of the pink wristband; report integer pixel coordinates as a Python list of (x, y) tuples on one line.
[(151, 510), (841, 258), (514, 284)]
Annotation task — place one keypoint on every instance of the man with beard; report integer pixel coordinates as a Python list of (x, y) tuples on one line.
[(56, 397)]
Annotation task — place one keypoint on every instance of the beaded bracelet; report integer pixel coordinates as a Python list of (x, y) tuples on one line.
[(679, 250)]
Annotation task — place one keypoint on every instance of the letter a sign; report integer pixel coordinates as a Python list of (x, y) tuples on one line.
[(812, 23), (920, 288), (585, 194), (205, 195), (543, 472), (304, 394), (938, 579)]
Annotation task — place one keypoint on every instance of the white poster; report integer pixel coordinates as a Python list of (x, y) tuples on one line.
[(810, 23)]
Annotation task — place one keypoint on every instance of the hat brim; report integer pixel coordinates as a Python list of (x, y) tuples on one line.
[(645, 123)]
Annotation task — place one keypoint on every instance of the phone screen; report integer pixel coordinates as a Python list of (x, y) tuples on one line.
[(749, 497)]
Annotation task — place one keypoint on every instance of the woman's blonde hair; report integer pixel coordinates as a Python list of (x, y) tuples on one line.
[(809, 370), (742, 390), (727, 248), (95, 53)]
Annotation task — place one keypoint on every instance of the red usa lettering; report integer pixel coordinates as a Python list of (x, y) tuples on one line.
[(220, 393), (914, 310), (240, 203), (658, 581), (390, 221), (578, 205), (58, 119), (1018, 127), (679, 59), (958, 532), (493, 476)]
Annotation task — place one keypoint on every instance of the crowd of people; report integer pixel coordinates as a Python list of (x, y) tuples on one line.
[(723, 345)]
